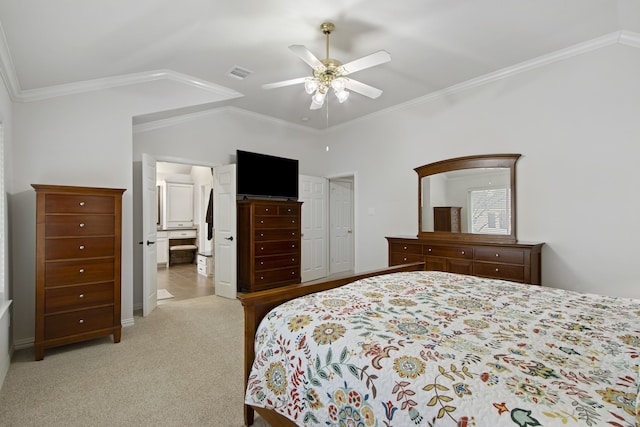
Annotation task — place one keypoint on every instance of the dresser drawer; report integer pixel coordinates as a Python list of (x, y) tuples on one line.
[(276, 234), (502, 255), (463, 252), (396, 258), (499, 271), (80, 296), (275, 248), (181, 234), (66, 203), (406, 248), (276, 222), (79, 225), (265, 278), (289, 210), (265, 209), (88, 247), (77, 322), (277, 261), (450, 265), (76, 272)]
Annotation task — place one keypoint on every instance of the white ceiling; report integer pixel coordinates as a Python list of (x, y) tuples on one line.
[(434, 45)]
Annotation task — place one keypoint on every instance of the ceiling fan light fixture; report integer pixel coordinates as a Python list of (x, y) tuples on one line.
[(342, 95), (318, 98), (311, 85), (339, 84)]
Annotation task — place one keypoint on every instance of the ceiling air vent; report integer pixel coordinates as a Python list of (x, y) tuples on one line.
[(239, 73)]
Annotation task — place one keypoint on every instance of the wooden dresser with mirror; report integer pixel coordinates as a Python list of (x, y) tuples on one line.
[(479, 237)]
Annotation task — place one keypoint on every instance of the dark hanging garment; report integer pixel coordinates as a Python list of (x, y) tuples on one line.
[(210, 217)]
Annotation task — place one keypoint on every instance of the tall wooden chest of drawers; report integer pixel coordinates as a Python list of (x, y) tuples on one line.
[(78, 253), (268, 244)]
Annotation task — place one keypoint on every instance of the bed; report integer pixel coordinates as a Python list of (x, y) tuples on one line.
[(401, 347)]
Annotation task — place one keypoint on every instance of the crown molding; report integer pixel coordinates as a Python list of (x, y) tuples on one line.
[(174, 121), (7, 69), (618, 37), (124, 80), (629, 38)]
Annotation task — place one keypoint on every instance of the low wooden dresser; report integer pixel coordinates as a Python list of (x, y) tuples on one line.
[(517, 262), (269, 241), (78, 254)]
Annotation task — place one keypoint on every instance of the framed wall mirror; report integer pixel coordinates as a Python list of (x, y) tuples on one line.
[(469, 198)]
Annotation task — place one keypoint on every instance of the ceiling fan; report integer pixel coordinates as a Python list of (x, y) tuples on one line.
[(331, 73)]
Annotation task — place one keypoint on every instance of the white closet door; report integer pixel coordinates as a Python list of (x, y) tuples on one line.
[(314, 198), (341, 226), (224, 205)]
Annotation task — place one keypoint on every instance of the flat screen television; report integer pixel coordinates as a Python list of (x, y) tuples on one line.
[(262, 175)]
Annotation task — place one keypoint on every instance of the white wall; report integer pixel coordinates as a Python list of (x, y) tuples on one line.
[(82, 140), (5, 280), (212, 138), (75, 140), (576, 124)]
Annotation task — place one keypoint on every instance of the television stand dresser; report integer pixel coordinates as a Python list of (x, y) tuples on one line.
[(269, 240)]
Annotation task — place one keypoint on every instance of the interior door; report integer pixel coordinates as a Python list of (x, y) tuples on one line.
[(149, 232), (224, 224), (314, 198), (341, 204)]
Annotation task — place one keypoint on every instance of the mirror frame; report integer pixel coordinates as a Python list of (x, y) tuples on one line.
[(470, 162)]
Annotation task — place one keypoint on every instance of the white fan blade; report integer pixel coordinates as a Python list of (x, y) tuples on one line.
[(377, 58), (284, 83), (363, 89), (307, 56)]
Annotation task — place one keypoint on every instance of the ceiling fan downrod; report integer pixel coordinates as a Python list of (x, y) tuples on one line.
[(327, 28)]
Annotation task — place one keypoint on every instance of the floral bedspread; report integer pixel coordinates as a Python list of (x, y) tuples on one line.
[(439, 349)]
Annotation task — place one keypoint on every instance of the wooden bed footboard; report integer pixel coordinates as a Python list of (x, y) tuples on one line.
[(258, 304)]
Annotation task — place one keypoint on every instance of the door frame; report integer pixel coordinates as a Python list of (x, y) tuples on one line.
[(169, 159), (352, 176)]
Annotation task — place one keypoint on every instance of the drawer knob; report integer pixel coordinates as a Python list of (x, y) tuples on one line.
[(404, 259), (293, 246), (429, 249), (497, 255), (261, 234), (497, 270), (405, 248), (266, 210), (81, 321), (293, 234), (82, 270), (81, 247), (261, 277), (261, 262), (462, 252), (81, 203), (81, 225), (81, 296), (262, 249), (261, 221)]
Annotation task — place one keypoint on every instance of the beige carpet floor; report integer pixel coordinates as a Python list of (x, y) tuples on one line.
[(180, 366)]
